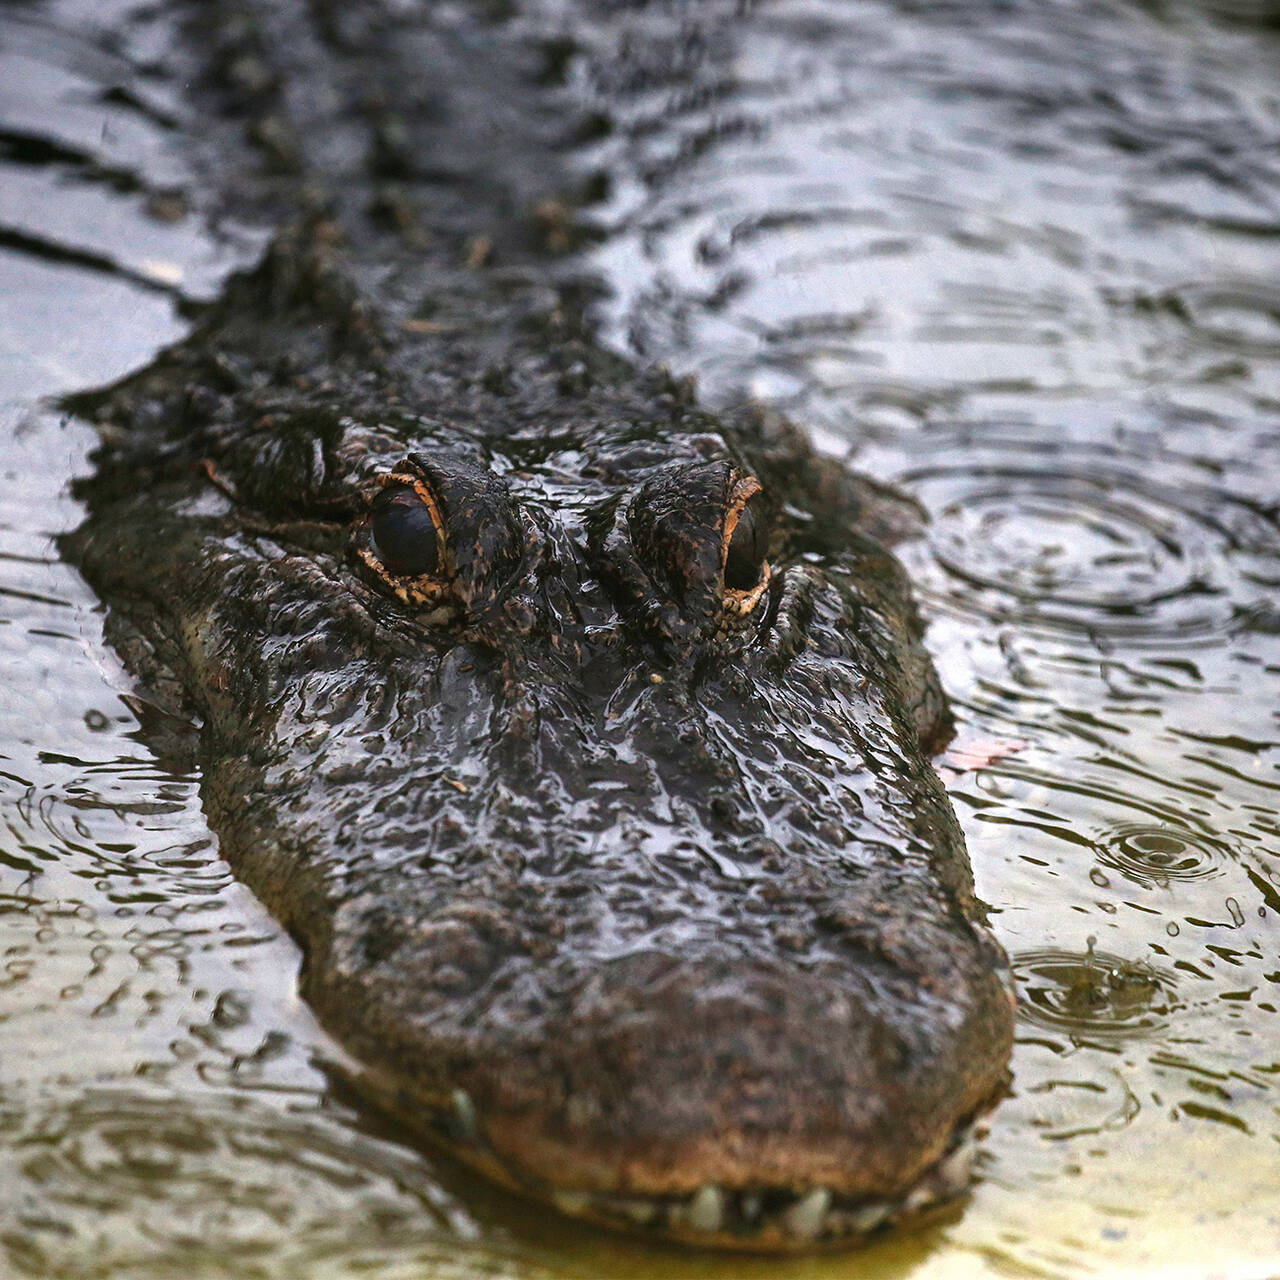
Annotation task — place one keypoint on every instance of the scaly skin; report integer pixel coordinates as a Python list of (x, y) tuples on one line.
[(634, 887)]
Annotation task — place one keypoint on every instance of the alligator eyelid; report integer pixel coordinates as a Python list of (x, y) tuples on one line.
[(743, 491), (741, 603), (486, 544)]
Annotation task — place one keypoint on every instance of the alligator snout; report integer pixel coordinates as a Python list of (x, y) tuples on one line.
[(718, 1092), (696, 956)]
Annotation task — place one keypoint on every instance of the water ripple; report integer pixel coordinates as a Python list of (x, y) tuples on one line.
[(1082, 539), (1241, 316), (1092, 995), (1156, 855), (128, 1183)]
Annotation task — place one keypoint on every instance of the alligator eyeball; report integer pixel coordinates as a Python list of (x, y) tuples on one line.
[(744, 556), (404, 533)]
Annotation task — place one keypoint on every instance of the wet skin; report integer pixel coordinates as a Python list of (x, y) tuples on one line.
[(579, 737)]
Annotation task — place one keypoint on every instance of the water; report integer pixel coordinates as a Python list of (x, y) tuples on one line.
[(1018, 258)]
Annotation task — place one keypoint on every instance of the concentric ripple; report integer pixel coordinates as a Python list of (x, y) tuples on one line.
[(1084, 539), (1091, 995), (138, 1184), (1155, 855), (1237, 316)]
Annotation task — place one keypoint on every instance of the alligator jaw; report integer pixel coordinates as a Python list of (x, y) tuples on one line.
[(779, 1220), (761, 1219)]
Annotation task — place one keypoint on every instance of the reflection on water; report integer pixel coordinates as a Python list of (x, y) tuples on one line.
[(1024, 259)]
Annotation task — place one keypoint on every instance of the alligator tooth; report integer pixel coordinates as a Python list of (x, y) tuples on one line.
[(919, 1198), (464, 1116), (706, 1209), (571, 1202), (804, 1218), (955, 1171), (867, 1217), (750, 1205), (639, 1211)]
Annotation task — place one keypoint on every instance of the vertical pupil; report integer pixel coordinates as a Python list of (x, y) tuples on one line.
[(745, 557), (404, 533)]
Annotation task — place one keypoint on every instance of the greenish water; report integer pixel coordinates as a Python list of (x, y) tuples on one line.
[(1020, 258)]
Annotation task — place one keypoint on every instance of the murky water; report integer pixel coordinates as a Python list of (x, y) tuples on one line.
[(1023, 259)]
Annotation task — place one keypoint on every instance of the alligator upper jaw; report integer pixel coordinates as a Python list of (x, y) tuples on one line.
[(760, 1217), (757, 1217), (785, 1117)]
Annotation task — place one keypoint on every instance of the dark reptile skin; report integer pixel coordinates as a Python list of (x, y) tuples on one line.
[(675, 899)]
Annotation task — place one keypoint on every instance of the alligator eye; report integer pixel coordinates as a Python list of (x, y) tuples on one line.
[(404, 533), (747, 543), (444, 535), (699, 536)]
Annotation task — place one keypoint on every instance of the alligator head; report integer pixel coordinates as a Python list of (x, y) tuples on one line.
[(581, 741)]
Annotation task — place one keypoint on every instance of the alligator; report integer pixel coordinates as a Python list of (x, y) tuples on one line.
[(580, 736)]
